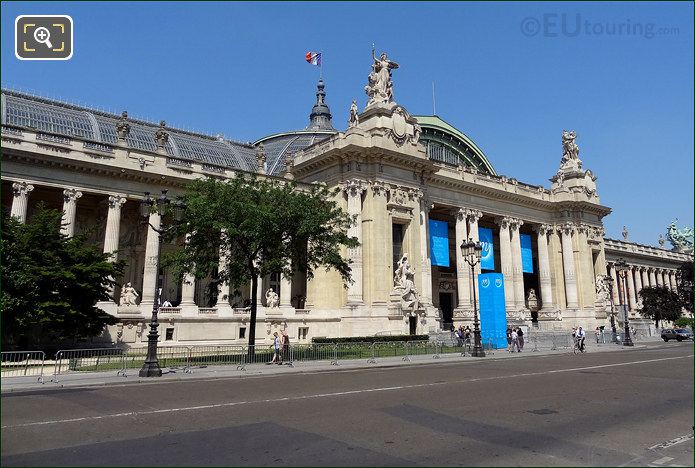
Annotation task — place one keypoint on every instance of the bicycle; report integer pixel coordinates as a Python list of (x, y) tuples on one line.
[(577, 347)]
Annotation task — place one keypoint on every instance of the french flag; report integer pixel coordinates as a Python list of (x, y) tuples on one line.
[(314, 58)]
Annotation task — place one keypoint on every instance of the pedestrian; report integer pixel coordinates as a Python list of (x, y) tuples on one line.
[(467, 335), (285, 346), (509, 339), (597, 334), (515, 341), (459, 339), (520, 338), (276, 349), (581, 334)]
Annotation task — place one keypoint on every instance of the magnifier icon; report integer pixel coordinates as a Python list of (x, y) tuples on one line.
[(43, 36)]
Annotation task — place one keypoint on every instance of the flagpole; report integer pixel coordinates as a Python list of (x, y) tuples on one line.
[(321, 66)]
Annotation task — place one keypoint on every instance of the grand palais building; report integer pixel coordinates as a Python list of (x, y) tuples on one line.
[(402, 176)]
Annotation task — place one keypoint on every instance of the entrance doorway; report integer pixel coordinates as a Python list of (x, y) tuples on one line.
[(446, 301), (413, 325)]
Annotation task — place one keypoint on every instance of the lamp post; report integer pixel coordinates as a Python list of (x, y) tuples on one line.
[(621, 268), (471, 253), (150, 368), (609, 282)]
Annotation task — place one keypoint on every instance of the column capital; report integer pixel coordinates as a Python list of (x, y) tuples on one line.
[(543, 229), (516, 223), (460, 213), (70, 195), (504, 222), (379, 188), (20, 189), (583, 228), (567, 228), (116, 201), (474, 215), (353, 187)]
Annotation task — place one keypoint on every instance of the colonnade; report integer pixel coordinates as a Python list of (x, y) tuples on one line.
[(22, 190), (639, 277)]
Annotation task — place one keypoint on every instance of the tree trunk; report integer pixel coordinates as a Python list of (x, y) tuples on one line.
[(252, 321)]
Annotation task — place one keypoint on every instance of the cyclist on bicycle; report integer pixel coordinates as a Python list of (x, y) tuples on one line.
[(580, 336)]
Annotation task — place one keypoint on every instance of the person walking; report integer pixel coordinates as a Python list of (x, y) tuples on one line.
[(581, 335), (509, 339), (597, 334), (276, 350), (520, 338), (285, 346), (515, 341)]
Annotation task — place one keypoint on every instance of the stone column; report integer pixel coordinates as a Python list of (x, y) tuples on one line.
[(567, 230), (223, 293), (425, 261), (519, 293), (645, 277), (285, 293), (665, 281), (20, 200), (657, 276), (638, 281), (672, 280), (70, 196), (614, 277), (544, 267), (188, 286), (652, 277), (473, 217), (463, 278), (507, 262), (113, 225), (632, 299), (150, 274), (354, 189)]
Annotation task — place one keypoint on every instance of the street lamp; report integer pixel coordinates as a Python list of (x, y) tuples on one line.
[(163, 205), (622, 268), (471, 253), (609, 281)]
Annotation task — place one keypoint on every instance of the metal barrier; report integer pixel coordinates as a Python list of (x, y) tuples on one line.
[(89, 360), (23, 363)]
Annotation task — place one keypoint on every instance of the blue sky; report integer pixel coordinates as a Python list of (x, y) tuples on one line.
[(509, 75)]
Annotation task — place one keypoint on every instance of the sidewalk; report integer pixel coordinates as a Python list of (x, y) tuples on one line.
[(110, 378)]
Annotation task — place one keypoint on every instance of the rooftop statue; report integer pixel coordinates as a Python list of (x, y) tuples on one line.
[(570, 152), (680, 239), (354, 118), (379, 85)]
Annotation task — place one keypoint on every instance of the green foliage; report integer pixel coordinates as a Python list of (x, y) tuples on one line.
[(660, 303), (261, 226), (51, 283), (370, 339), (684, 322), (684, 280)]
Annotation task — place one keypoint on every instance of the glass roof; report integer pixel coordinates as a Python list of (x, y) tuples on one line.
[(49, 116)]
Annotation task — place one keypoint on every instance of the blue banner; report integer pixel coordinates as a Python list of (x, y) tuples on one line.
[(493, 315), (487, 260), (526, 253), (439, 243)]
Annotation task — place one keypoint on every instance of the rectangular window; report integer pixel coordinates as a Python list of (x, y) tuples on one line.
[(397, 234), (169, 334), (302, 333), (242, 332)]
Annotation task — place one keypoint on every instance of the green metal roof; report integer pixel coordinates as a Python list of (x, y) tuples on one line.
[(434, 122)]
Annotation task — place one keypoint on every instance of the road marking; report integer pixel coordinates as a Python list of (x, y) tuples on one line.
[(326, 395), (671, 442), (662, 460)]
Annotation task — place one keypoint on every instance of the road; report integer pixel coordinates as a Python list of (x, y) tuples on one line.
[(632, 407)]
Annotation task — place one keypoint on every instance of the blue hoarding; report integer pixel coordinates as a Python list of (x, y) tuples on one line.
[(487, 260), (526, 253), (493, 315), (439, 243)]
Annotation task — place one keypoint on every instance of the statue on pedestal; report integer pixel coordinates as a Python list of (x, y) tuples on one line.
[(680, 239), (570, 152), (379, 85), (354, 118), (128, 296), (271, 299), (404, 281), (531, 300)]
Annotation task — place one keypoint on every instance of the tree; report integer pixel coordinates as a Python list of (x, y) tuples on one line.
[(51, 283), (260, 226), (660, 303), (684, 281)]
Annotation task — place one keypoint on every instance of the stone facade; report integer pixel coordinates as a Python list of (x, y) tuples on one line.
[(392, 186)]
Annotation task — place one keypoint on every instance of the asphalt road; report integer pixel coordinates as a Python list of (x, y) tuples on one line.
[(599, 409)]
